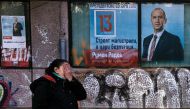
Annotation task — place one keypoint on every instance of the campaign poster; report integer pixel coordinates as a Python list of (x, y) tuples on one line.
[(14, 52), (166, 21), (13, 32), (113, 35)]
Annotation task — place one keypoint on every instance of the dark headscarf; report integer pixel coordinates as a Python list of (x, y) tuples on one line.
[(56, 63)]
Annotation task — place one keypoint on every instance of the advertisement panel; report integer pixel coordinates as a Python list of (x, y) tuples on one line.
[(113, 35), (162, 35), (14, 52)]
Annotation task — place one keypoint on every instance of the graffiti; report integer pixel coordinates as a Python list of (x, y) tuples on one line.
[(4, 92), (46, 42), (141, 89), (12, 95), (136, 88), (132, 88), (16, 54), (105, 90), (92, 86), (166, 82), (43, 31), (23, 94), (113, 89), (184, 87), (115, 79)]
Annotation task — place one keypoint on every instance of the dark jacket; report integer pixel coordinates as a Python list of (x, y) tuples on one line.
[(19, 28), (57, 93), (169, 48)]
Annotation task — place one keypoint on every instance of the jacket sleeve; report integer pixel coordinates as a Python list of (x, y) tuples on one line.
[(40, 96), (179, 50), (145, 49), (77, 88), (20, 26)]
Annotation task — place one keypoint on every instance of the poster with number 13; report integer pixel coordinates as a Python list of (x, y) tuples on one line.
[(113, 35)]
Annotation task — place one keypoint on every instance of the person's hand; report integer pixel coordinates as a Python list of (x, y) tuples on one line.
[(67, 72)]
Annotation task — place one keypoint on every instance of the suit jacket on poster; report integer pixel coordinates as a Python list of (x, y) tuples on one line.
[(19, 28), (168, 48)]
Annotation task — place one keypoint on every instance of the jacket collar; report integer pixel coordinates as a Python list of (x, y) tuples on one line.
[(57, 75)]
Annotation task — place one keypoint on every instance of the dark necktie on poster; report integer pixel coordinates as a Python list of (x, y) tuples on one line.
[(152, 47)]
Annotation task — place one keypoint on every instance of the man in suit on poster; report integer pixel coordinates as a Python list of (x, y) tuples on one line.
[(17, 27), (161, 45)]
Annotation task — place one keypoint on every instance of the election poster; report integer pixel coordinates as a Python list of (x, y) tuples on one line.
[(14, 52), (113, 35), (160, 20), (13, 31)]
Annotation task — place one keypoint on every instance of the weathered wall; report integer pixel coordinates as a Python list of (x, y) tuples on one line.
[(17, 81), (47, 27), (137, 88), (49, 23)]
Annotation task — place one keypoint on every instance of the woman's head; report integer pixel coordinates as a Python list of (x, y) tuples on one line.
[(55, 65)]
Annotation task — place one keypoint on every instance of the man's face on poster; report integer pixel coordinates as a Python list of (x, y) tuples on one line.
[(15, 19), (158, 20)]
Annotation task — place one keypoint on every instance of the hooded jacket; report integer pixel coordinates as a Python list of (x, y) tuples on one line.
[(52, 92)]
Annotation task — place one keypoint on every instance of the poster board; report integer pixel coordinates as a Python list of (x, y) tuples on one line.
[(109, 39)]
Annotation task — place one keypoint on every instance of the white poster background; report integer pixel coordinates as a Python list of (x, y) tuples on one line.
[(8, 39)]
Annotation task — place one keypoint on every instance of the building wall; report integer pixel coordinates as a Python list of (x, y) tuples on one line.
[(139, 87)]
